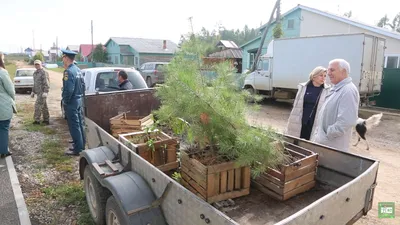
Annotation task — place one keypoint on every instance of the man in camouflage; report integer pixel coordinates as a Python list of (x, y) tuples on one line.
[(40, 89)]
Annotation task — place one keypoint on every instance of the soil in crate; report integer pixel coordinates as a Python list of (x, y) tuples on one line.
[(213, 178)]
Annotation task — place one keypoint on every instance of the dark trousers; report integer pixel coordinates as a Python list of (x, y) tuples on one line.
[(75, 124), (4, 130), (306, 131)]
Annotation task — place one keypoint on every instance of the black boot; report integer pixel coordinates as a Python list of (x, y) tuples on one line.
[(5, 155)]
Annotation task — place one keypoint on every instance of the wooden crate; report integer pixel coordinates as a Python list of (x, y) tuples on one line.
[(163, 156), (292, 179), (214, 183), (123, 123)]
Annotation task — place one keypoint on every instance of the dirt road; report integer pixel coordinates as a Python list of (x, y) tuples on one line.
[(384, 142)]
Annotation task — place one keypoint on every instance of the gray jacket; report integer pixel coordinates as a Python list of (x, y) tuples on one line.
[(126, 85), (338, 116)]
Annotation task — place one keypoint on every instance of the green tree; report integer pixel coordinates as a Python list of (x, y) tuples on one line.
[(212, 115), (78, 57), (99, 54), (348, 14), (394, 25), (38, 56)]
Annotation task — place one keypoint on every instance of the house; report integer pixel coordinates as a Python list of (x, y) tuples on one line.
[(229, 52), (89, 57), (74, 48), (136, 51), (303, 21), (85, 50), (29, 52)]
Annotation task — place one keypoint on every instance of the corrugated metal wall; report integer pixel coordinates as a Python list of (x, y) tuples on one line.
[(390, 91)]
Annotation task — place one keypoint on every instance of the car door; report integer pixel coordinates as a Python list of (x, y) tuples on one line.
[(262, 75)]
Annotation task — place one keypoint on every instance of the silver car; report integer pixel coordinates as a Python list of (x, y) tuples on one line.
[(23, 79), (153, 72)]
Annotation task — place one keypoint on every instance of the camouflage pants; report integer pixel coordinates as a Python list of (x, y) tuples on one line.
[(41, 108)]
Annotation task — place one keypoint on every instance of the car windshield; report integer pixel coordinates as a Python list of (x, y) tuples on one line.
[(24, 73), (108, 81)]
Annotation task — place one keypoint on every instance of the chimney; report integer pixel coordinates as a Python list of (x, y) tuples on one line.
[(164, 44)]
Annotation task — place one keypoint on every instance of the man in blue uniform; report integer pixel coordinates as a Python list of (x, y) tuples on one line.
[(72, 100)]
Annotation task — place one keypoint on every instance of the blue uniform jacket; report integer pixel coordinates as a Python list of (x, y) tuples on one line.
[(72, 84)]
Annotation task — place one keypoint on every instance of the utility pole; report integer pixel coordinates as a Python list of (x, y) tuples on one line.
[(278, 2), (91, 30), (56, 59), (191, 24), (33, 37)]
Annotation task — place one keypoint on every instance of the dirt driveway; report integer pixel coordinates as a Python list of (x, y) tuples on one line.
[(384, 142)]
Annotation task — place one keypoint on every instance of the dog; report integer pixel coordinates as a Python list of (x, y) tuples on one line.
[(363, 125)]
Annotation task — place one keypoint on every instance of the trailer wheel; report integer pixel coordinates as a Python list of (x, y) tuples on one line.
[(114, 214), (96, 196)]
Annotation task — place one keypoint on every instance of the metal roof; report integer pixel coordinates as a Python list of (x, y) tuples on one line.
[(143, 45), (227, 53), (347, 20), (227, 44), (74, 48)]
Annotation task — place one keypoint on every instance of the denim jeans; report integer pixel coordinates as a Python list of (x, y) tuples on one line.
[(4, 128)]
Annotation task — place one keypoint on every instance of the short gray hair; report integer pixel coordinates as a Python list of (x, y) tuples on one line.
[(343, 64)]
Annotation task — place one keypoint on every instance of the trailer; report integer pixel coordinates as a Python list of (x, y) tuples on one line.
[(289, 62), (123, 188)]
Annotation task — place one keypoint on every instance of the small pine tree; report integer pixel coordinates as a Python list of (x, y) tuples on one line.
[(212, 114), (100, 54)]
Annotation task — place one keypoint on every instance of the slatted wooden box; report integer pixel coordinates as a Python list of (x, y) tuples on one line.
[(291, 179), (214, 183), (163, 154), (123, 123)]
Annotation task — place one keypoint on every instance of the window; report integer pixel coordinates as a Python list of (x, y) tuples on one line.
[(290, 24), (25, 73), (392, 62), (265, 65), (116, 60), (251, 60), (108, 81)]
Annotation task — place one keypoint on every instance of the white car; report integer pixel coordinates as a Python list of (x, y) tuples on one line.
[(104, 79), (23, 79)]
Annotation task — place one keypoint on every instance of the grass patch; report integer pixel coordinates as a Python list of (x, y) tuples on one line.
[(26, 112), (71, 194), (59, 69), (11, 68), (53, 152)]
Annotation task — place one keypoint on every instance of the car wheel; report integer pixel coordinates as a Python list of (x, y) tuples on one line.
[(148, 82)]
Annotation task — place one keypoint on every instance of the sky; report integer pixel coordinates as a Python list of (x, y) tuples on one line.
[(41, 22)]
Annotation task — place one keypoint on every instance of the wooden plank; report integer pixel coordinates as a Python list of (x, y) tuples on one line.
[(193, 184), (293, 184), (302, 171), (223, 181), (229, 195), (245, 177), (168, 166), (231, 180), (299, 190), (212, 184), (238, 179), (265, 190), (111, 165), (271, 186), (187, 186), (276, 173), (299, 149), (309, 160), (171, 154), (272, 179), (193, 162), (223, 167), (199, 178), (98, 169), (294, 153)]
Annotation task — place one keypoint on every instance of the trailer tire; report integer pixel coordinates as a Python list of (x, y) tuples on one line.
[(96, 196), (114, 214)]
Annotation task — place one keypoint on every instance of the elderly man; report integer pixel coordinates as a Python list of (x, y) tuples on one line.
[(339, 113), (40, 89)]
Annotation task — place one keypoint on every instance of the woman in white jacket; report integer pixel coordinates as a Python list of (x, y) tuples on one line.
[(309, 99)]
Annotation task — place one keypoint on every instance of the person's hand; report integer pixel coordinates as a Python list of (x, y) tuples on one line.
[(44, 95), (32, 95)]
